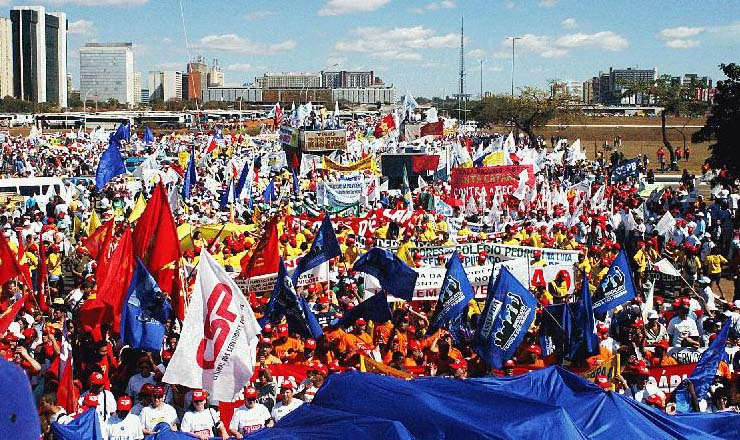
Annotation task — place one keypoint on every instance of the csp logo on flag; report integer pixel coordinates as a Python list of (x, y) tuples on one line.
[(613, 285), (511, 323)]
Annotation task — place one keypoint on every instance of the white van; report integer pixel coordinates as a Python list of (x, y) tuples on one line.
[(31, 186)]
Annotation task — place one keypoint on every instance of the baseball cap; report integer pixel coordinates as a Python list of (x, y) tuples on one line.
[(199, 395), (602, 381), (653, 315), (147, 389), (158, 391), (286, 385), (535, 349), (310, 344), (509, 364), (250, 393), (96, 379), (124, 403), (360, 321)]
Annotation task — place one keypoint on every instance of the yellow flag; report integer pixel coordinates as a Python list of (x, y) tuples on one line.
[(608, 368), (183, 158), (76, 225), (493, 159), (93, 224), (138, 209), (368, 365)]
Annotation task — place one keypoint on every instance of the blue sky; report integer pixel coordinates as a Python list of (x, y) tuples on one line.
[(414, 44)]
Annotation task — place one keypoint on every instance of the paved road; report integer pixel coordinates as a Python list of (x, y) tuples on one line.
[(621, 126)]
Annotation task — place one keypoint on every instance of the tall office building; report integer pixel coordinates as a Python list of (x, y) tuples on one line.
[(215, 75), (39, 54), (107, 72), (347, 80), (197, 78), (137, 87), (288, 80), (165, 85), (6, 58)]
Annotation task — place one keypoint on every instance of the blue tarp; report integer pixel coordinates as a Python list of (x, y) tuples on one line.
[(313, 422), (445, 408), (610, 415)]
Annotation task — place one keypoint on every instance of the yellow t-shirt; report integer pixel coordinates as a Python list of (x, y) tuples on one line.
[(715, 262)]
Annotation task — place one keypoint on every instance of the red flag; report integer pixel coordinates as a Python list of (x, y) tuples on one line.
[(111, 287), (422, 163), (434, 128), (212, 146), (385, 125), (278, 115), (67, 392), (43, 274), (100, 240), (9, 266), (155, 241), (9, 316), (266, 256)]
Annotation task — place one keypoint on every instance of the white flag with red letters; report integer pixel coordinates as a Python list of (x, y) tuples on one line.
[(217, 347)]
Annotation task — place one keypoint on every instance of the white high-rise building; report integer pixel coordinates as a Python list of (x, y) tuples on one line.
[(39, 54), (107, 72), (6, 57), (137, 87), (165, 85)]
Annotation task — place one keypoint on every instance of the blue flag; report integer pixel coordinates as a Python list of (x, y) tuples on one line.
[(190, 177), (110, 165), (123, 133), (703, 375), (269, 195), (625, 170), (584, 342), (286, 302), (227, 196), (556, 329), (324, 247), (296, 185), (395, 276), (148, 136), (508, 314), (86, 425), (145, 312), (617, 287), (454, 296), (242, 180), (374, 309)]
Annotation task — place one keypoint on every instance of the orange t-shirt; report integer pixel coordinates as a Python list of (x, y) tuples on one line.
[(281, 350)]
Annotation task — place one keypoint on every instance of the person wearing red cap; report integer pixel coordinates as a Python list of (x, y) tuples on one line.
[(250, 417), (145, 398), (158, 412), (123, 425), (264, 352), (309, 353), (286, 347), (106, 401), (535, 357), (200, 420), (308, 388), (287, 404), (357, 337), (603, 382), (537, 259)]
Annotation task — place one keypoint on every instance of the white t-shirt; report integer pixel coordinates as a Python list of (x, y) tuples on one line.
[(136, 382), (151, 416), (128, 428), (200, 422), (280, 410), (106, 403), (679, 328), (248, 420)]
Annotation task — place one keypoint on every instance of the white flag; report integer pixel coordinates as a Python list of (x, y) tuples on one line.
[(665, 224), (217, 348), (150, 163), (665, 266)]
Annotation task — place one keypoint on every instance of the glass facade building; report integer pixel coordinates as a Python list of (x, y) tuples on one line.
[(107, 72)]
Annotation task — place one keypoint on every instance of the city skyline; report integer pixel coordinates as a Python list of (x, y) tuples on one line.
[(413, 45)]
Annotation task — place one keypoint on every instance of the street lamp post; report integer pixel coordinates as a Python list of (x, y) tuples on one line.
[(513, 57), (481, 80)]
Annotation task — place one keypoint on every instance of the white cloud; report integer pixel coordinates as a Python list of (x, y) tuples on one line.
[(548, 3), (477, 53), (509, 4), (569, 23), (259, 15), (681, 32), (444, 4), (401, 42), (235, 43), (81, 27), (607, 40), (681, 44), (240, 67), (342, 7)]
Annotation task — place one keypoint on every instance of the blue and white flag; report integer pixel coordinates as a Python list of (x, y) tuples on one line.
[(584, 341), (269, 195), (617, 287), (122, 133), (145, 312), (703, 375), (286, 302), (227, 196), (508, 314), (148, 136), (86, 425), (110, 165), (190, 177), (627, 169), (325, 246), (375, 309), (393, 274), (454, 296)]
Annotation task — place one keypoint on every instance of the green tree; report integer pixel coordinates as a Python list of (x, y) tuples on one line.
[(532, 109), (676, 99), (723, 124)]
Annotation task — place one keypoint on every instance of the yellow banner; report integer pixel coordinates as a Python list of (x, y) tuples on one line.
[(368, 365), (366, 164), (182, 159), (493, 159), (608, 368)]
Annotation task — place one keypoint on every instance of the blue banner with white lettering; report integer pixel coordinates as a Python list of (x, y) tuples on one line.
[(508, 314), (617, 287), (454, 296), (625, 170), (286, 302)]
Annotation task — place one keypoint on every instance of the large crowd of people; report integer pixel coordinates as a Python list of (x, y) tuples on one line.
[(682, 245)]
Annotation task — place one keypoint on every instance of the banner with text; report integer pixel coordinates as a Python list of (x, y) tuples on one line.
[(491, 180)]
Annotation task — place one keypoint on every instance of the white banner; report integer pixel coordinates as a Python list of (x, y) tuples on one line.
[(217, 347), (497, 253), (344, 192), (266, 283)]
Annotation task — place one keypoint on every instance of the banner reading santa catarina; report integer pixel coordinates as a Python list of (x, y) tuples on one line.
[(504, 179)]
